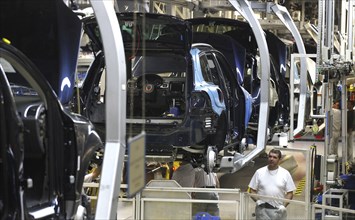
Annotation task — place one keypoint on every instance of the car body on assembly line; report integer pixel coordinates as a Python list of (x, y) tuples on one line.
[(225, 34), (182, 95), (45, 150)]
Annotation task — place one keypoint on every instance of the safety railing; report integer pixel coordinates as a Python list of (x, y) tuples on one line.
[(321, 212), (163, 203), (173, 202), (297, 209), (178, 203)]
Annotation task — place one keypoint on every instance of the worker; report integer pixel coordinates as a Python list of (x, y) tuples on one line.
[(272, 180), (336, 128)]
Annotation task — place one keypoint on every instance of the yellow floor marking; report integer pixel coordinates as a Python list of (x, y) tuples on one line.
[(300, 186)]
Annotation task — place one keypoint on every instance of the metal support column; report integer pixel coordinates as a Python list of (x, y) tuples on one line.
[(327, 93), (116, 112), (350, 32), (344, 125), (326, 32)]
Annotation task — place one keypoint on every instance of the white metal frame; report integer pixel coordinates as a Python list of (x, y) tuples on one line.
[(303, 94), (323, 207), (244, 8), (116, 112), (286, 19), (189, 190)]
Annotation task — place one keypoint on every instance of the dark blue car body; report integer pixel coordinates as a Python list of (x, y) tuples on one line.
[(217, 32), (184, 96)]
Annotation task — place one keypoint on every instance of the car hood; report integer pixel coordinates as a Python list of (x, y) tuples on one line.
[(231, 49), (47, 32), (146, 31), (226, 26), (234, 28), (278, 50)]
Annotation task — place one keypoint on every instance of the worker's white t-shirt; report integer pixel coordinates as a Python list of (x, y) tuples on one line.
[(274, 183)]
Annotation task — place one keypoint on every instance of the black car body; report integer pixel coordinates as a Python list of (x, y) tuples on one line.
[(208, 29), (46, 148), (184, 96)]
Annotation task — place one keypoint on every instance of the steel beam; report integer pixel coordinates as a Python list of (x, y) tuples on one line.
[(115, 109), (285, 17), (244, 8), (350, 32)]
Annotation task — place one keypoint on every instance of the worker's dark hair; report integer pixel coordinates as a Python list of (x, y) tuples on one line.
[(276, 151)]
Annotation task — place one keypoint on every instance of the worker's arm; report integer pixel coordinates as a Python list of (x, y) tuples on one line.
[(253, 191), (289, 195)]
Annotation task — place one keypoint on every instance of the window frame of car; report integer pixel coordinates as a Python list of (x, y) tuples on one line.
[(211, 56), (22, 71), (205, 69), (54, 127)]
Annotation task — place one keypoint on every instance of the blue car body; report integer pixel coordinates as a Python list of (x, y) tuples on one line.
[(217, 32), (236, 56)]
